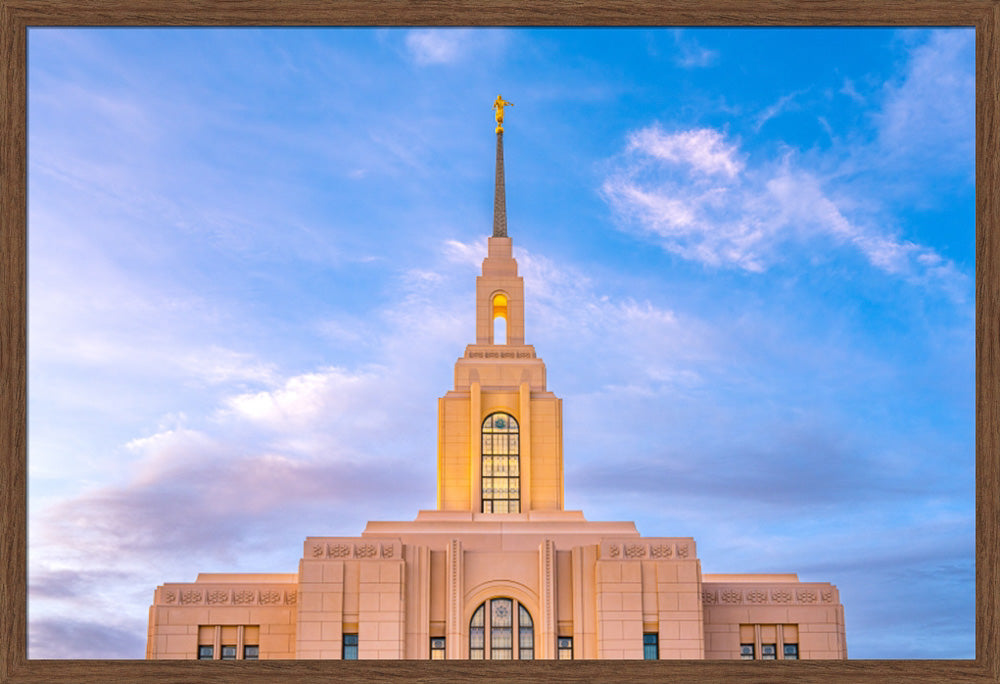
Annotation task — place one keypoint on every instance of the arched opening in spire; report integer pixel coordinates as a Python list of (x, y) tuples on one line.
[(500, 318)]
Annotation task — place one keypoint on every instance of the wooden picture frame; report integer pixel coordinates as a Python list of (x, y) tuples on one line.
[(17, 15)]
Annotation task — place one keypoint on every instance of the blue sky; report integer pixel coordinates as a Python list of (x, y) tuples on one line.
[(748, 259)]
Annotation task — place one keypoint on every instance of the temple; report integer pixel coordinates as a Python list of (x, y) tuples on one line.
[(499, 570)]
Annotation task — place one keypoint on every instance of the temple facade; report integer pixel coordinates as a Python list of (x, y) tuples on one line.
[(499, 570)]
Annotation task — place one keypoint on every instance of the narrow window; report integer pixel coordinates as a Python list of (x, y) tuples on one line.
[(651, 646), (206, 652), (229, 653), (746, 651), (350, 647), (477, 634), (500, 319), (501, 482), (791, 652), (251, 652), (565, 648), (501, 632), (526, 634), (437, 648), (768, 652)]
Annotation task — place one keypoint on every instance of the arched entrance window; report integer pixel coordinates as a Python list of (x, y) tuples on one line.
[(501, 464), (496, 634)]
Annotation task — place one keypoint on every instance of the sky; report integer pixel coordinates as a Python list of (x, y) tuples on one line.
[(748, 258)]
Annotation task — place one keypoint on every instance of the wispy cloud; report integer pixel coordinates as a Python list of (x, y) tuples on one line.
[(928, 114), (691, 54), (783, 104), (692, 192), (449, 45)]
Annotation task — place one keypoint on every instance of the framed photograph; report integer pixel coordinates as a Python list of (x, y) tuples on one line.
[(409, 334)]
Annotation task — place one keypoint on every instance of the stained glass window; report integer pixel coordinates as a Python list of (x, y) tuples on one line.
[(501, 486), (499, 631), (477, 634), (229, 653), (437, 648), (526, 634), (565, 648), (206, 652), (746, 651), (768, 652), (791, 652)]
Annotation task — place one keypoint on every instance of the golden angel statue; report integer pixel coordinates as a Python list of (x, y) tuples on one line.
[(498, 106)]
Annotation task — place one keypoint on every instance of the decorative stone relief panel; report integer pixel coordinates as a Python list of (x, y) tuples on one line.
[(343, 549), (656, 549), (732, 596), (232, 595), (366, 550), (660, 551), (635, 550), (782, 595), (218, 596), (269, 598)]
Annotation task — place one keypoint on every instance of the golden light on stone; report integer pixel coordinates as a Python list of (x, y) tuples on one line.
[(500, 306)]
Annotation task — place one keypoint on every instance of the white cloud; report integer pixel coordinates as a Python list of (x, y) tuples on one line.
[(929, 114), (693, 192), (705, 150), (439, 46)]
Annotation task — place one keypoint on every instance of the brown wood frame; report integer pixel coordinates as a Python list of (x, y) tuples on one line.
[(17, 15)]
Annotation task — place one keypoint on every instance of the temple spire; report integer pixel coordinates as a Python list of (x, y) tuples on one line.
[(499, 194)]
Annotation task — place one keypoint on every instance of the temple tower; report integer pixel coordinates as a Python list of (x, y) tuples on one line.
[(499, 429)]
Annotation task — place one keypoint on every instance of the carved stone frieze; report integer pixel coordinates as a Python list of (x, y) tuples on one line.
[(780, 595), (244, 597), (661, 551), (732, 596), (635, 550), (339, 550)]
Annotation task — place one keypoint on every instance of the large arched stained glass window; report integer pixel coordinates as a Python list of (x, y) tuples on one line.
[(494, 634), (501, 464)]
